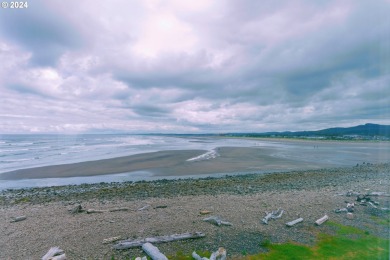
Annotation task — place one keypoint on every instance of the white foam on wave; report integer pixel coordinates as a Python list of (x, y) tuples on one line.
[(212, 154)]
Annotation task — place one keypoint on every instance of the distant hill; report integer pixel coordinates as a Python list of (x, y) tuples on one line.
[(367, 131)]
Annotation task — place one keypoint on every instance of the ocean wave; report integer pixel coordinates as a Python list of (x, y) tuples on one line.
[(206, 156)]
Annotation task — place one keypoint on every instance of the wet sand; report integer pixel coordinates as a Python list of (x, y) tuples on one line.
[(175, 163)]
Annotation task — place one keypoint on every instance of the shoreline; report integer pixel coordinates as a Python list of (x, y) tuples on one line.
[(262, 157), (310, 179), (174, 207)]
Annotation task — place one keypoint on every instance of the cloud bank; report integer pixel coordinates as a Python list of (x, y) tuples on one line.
[(194, 66)]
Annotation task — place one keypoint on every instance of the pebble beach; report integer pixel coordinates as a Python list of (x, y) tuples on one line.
[(166, 207)]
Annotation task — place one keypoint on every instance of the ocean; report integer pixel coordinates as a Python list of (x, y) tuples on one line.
[(29, 151)]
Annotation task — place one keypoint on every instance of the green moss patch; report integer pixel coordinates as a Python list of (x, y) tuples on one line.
[(348, 243)]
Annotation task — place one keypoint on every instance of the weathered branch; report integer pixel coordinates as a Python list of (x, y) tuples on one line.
[(160, 239), (217, 221), (292, 223), (89, 211), (273, 215)]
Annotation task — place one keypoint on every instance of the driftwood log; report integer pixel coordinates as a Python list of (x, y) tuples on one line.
[(153, 252), (217, 221), (273, 215), (90, 211), (17, 219), (220, 254), (160, 239), (292, 223), (54, 253), (322, 220), (144, 207)]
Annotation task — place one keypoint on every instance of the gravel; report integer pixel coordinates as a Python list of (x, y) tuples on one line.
[(175, 206)]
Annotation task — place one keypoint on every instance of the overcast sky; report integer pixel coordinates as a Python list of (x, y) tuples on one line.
[(193, 66)]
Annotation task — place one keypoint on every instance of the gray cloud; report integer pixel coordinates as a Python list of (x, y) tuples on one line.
[(206, 66)]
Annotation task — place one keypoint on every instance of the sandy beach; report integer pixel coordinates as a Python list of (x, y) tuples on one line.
[(174, 207), (268, 157)]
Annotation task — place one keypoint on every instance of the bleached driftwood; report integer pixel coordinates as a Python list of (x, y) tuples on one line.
[(153, 252), (89, 211), (17, 219), (111, 239), (378, 193), (273, 215), (292, 223), (217, 221), (144, 207), (160, 239), (220, 254), (322, 220), (372, 204), (54, 253), (350, 208)]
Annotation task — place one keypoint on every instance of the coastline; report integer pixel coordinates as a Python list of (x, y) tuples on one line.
[(174, 208), (266, 157)]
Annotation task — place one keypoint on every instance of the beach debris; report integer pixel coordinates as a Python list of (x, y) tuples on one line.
[(153, 252), (341, 210), (205, 212), (292, 223), (118, 209), (144, 207), (77, 209), (161, 207), (217, 221), (349, 208), (17, 219), (54, 253), (379, 193), (220, 254), (372, 204), (320, 221), (350, 215), (272, 215), (111, 239), (90, 211), (124, 244)]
